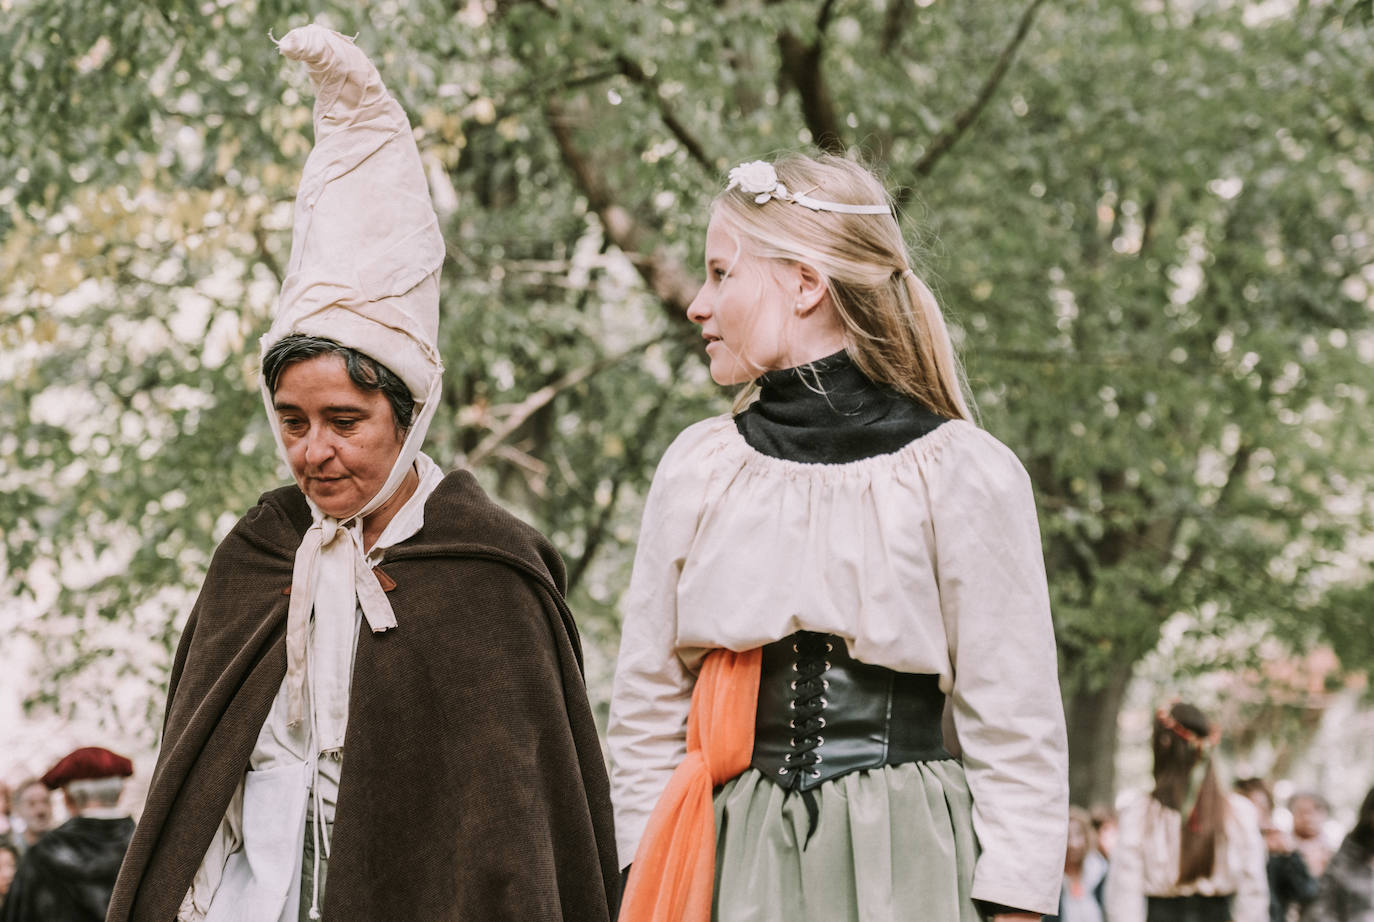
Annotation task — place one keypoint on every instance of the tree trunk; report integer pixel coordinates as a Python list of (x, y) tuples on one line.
[(1092, 715)]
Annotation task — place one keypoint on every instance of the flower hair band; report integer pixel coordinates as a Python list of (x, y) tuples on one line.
[(759, 179), (1200, 743)]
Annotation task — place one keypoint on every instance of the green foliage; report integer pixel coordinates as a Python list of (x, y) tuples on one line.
[(1150, 229)]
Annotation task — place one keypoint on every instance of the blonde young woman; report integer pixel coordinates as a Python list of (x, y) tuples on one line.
[(818, 576)]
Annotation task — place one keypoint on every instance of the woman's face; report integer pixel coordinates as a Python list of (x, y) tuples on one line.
[(744, 310), (341, 441)]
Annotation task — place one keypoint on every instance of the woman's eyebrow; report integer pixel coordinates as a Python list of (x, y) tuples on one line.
[(282, 406)]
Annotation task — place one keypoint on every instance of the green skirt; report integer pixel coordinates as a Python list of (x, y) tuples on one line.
[(893, 844)]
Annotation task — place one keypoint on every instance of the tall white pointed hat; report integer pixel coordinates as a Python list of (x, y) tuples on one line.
[(365, 245), (364, 272)]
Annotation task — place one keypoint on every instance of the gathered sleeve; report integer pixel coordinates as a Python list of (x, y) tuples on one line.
[(652, 691), (1007, 709)]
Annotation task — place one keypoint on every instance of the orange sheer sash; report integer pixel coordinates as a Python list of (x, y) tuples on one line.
[(674, 873)]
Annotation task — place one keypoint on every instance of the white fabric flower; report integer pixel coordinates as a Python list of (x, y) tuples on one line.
[(759, 179)]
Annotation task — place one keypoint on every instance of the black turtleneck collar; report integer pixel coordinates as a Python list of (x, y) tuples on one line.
[(828, 412)]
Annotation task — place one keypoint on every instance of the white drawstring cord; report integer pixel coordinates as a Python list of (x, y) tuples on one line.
[(315, 855), (315, 794)]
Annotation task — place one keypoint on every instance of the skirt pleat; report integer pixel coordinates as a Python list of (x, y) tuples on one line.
[(893, 844)]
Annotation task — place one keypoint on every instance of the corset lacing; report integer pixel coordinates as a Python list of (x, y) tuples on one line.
[(808, 706)]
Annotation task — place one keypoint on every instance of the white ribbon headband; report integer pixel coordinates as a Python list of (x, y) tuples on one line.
[(760, 180)]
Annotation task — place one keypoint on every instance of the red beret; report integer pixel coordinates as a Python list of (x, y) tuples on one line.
[(86, 763)]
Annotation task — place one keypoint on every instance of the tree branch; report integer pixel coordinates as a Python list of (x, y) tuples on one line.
[(823, 19), (634, 457), (265, 254), (894, 24), (801, 65), (1239, 462), (951, 135), (522, 411), (576, 83), (596, 533), (667, 278), (635, 74), (1074, 357)]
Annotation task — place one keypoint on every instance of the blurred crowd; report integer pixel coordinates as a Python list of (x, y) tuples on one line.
[(62, 839), (1298, 853), (1189, 851), (1186, 851)]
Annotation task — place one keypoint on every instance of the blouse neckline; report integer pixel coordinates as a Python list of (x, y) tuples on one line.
[(922, 449), (829, 414)]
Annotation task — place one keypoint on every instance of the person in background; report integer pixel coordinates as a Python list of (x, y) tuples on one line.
[(1083, 895), (1346, 892), (1104, 827), (68, 874), (1310, 813), (6, 805), (33, 809), (1187, 851), (9, 863), (1291, 886)]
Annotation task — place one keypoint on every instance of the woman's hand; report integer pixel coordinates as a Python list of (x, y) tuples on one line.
[(1017, 917)]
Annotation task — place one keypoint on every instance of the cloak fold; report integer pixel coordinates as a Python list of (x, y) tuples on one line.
[(474, 788)]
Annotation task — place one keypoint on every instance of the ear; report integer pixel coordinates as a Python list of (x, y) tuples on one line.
[(812, 289)]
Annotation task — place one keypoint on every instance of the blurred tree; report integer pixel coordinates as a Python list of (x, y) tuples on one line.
[(1148, 221)]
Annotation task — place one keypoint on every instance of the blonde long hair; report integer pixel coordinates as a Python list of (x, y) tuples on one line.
[(894, 329)]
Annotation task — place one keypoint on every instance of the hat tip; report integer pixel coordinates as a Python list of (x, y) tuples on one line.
[(306, 43)]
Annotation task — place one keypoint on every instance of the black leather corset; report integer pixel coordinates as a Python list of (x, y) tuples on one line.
[(822, 713)]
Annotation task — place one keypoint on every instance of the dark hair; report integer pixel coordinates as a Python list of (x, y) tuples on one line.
[(1180, 736), (1249, 787), (1363, 833), (365, 372)]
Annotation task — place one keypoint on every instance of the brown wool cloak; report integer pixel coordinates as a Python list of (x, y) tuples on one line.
[(473, 783)]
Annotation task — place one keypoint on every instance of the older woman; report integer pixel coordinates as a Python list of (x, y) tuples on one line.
[(443, 762)]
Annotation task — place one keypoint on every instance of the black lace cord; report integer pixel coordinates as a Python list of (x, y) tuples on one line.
[(808, 720)]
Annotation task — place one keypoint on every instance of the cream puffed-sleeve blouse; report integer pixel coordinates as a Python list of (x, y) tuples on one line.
[(925, 560)]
